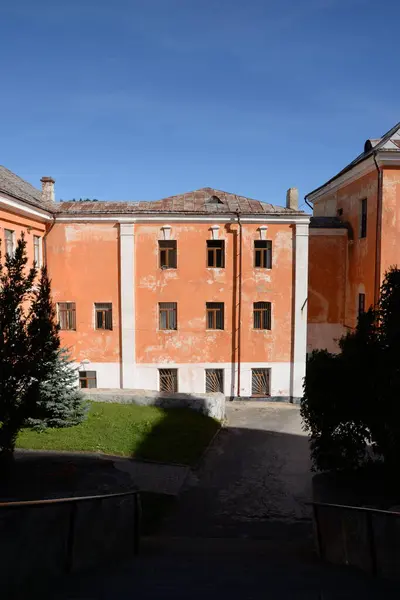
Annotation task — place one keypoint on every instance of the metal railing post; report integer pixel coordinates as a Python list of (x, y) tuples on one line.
[(371, 543), (318, 531)]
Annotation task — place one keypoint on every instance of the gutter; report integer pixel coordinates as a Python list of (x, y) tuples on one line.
[(45, 240)]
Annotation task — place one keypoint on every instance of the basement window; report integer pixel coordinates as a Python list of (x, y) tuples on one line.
[(167, 254), (87, 379), (215, 315), (214, 381), (260, 382), (168, 380), (262, 315), (103, 315), (67, 315), (168, 315), (216, 253), (263, 254)]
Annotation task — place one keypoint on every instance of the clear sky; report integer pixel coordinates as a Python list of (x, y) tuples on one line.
[(142, 99)]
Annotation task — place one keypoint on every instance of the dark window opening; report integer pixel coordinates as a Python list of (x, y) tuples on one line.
[(214, 381), (103, 315), (260, 382), (262, 315), (216, 253), (363, 218), (263, 254), (168, 315), (67, 315), (361, 304), (168, 380), (87, 379), (215, 315), (167, 254)]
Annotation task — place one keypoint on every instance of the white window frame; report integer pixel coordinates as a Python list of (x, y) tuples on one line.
[(39, 262), (12, 241)]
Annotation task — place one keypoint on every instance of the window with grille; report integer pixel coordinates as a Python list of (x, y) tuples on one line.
[(363, 218), (66, 315), (168, 254), (87, 379), (9, 235), (263, 254), (103, 315), (215, 315), (361, 304), (37, 250), (168, 380), (262, 315), (215, 253), (214, 380), (168, 315), (260, 379)]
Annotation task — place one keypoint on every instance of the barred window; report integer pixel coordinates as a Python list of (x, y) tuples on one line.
[(215, 253), (215, 315), (168, 315), (87, 379), (263, 254), (262, 315), (103, 315), (37, 250), (9, 235), (168, 380), (214, 380), (260, 379), (66, 315), (167, 254)]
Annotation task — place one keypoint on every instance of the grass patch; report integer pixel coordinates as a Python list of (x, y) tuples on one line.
[(169, 435)]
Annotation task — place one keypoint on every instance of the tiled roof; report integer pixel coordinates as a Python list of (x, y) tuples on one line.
[(20, 189), (203, 201)]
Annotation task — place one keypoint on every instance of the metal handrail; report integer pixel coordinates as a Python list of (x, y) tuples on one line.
[(355, 508), (19, 503)]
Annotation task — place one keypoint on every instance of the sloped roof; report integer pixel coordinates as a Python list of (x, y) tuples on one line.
[(20, 189), (390, 141), (202, 201)]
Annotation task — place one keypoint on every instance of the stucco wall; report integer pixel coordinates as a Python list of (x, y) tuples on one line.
[(29, 226)]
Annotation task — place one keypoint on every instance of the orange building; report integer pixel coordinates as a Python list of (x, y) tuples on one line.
[(354, 237), (205, 291)]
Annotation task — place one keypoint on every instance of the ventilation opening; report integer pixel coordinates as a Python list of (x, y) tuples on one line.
[(214, 200)]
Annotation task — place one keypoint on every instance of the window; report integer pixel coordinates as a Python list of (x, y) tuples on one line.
[(363, 218), (67, 315), (37, 250), (215, 253), (87, 379), (361, 304), (262, 315), (215, 315), (214, 380), (9, 239), (168, 380), (103, 315), (167, 253), (260, 382), (168, 315), (263, 254)]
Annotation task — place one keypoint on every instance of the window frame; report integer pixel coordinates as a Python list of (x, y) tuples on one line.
[(162, 307), (170, 247), (212, 249), (87, 378), (7, 241), (214, 311), (100, 308), (265, 254), (261, 373), (219, 375), (164, 373), (265, 316), (38, 247), (363, 218), (361, 303), (68, 312)]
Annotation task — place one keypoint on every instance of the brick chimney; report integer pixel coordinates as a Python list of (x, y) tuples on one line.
[(292, 198), (48, 189)]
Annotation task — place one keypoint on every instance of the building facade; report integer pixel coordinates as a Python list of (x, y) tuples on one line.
[(206, 291)]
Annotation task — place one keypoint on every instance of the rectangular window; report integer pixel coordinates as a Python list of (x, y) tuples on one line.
[(260, 382), (215, 253), (168, 380), (103, 315), (168, 315), (215, 315), (262, 315), (167, 254), (66, 315), (214, 380), (361, 304), (10, 241), (37, 250), (363, 218), (263, 254), (87, 379)]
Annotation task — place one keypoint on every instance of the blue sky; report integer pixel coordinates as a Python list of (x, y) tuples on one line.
[(142, 99)]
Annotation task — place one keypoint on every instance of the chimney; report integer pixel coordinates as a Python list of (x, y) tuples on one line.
[(48, 189), (292, 198)]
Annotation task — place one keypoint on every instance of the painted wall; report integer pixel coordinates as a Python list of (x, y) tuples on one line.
[(390, 222), (29, 226)]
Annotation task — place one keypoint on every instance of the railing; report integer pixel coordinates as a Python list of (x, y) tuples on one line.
[(363, 537), (68, 528)]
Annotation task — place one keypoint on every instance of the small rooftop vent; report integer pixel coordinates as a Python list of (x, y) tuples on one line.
[(214, 200)]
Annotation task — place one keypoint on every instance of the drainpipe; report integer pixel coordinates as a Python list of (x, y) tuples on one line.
[(45, 239), (239, 301), (308, 204), (378, 234)]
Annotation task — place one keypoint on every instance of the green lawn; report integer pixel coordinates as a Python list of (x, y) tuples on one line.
[(170, 435)]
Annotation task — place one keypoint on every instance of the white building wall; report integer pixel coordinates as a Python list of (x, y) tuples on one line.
[(108, 375), (127, 278)]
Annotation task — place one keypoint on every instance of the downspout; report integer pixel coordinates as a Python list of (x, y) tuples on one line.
[(45, 240), (378, 234), (308, 204), (239, 336)]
